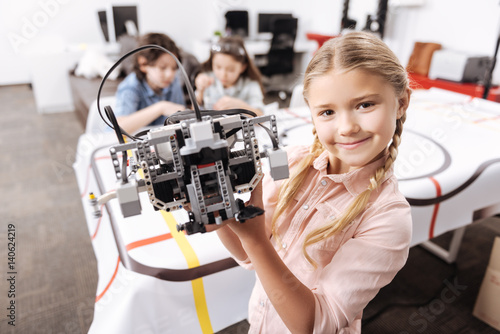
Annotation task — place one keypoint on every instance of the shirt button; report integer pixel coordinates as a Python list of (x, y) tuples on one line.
[(262, 303), (284, 245), (305, 207), (323, 182)]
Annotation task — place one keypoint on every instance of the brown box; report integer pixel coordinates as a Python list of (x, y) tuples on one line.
[(487, 306)]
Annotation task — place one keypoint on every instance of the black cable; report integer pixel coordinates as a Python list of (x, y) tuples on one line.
[(111, 116), (142, 133), (188, 114), (118, 131), (271, 135), (489, 74), (184, 75)]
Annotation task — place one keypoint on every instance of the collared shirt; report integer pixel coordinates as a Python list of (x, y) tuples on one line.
[(134, 94), (352, 265), (244, 89)]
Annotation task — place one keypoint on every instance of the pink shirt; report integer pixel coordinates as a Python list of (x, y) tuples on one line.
[(352, 265)]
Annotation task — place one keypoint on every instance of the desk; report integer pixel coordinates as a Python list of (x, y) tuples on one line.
[(471, 89), (448, 168)]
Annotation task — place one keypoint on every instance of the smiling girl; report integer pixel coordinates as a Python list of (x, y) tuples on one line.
[(338, 229)]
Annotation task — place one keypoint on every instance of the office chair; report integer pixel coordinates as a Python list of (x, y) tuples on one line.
[(279, 59)]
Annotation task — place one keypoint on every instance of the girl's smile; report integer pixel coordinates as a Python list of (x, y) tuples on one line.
[(352, 145)]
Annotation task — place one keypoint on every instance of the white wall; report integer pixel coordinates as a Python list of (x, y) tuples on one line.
[(471, 27), (32, 27)]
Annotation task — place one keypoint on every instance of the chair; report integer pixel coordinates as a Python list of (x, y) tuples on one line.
[(280, 57), (319, 38)]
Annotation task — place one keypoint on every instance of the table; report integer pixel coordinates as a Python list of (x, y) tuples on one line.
[(468, 88), (448, 168)]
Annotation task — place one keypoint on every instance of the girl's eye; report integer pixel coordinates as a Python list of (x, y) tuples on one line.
[(365, 105), (328, 112)]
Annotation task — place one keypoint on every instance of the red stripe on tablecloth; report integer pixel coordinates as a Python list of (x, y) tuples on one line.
[(148, 241), (487, 119), (307, 120), (97, 298), (130, 246), (436, 207)]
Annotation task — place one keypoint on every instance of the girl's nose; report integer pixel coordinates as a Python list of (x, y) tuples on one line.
[(347, 124)]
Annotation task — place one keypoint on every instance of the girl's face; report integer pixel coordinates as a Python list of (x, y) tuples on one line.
[(227, 69), (354, 114), (160, 74)]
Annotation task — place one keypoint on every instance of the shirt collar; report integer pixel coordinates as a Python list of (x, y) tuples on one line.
[(355, 181), (151, 93)]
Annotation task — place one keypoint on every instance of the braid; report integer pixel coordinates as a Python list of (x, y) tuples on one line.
[(393, 153), (290, 186), (359, 203)]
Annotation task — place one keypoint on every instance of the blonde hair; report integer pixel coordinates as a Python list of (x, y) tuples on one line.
[(356, 50)]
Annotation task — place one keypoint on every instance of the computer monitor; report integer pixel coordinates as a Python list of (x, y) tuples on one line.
[(123, 21), (266, 20), (121, 16), (103, 21), (237, 22)]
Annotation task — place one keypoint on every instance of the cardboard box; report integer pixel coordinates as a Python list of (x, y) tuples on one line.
[(487, 306)]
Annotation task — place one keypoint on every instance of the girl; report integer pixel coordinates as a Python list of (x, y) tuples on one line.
[(153, 91), (338, 229), (231, 80)]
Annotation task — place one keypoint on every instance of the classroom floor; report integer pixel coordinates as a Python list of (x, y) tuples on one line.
[(57, 274)]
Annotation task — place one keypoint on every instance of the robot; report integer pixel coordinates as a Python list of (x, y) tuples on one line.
[(202, 161)]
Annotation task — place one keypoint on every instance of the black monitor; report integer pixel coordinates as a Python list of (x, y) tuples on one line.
[(103, 21), (266, 20), (120, 15), (237, 22)]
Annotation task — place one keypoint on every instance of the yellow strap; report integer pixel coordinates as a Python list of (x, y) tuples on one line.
[(200, 301), (192, 261)]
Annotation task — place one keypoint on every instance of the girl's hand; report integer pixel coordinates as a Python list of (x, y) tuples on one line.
[(253, 230), (227, 102), (202, 81), (168, 108)]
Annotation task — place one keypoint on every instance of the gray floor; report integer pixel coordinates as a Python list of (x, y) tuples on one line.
[(56, 269)]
